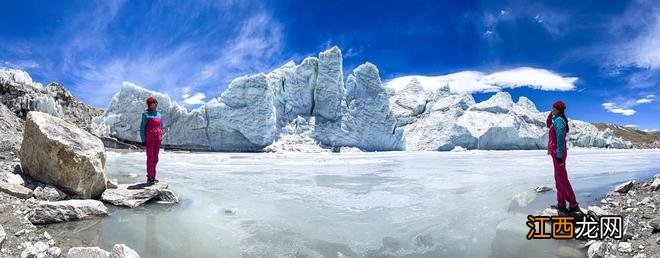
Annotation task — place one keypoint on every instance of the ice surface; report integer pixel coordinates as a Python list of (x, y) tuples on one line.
[(420, 204)]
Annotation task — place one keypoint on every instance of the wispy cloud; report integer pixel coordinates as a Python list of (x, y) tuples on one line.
[(626, 107), (196, 99), (472, 81), (202, 45)]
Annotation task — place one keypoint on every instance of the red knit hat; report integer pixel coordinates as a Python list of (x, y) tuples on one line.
[(559, 105), (151, 100)]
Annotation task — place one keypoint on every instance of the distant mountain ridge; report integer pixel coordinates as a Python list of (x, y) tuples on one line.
[(638, 138)]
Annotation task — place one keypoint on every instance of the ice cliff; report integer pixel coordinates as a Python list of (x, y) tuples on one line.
[(311, 104)]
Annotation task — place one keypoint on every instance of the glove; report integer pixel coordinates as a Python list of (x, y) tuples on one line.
[(560, 161)]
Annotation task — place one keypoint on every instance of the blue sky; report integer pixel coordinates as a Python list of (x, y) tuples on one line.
[(193, 49)]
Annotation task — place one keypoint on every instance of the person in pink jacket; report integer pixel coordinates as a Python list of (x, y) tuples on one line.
[(558, 126), (151, 132)]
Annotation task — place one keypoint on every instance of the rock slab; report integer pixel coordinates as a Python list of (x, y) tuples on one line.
[(46, 212), (133, 195), (15, 190)]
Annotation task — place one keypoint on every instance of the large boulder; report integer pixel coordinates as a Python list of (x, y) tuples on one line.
[(123, 251), (59, 153), (133, 195), (46, 212)]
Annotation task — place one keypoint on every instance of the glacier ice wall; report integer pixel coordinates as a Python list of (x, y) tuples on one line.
[(312, 100)]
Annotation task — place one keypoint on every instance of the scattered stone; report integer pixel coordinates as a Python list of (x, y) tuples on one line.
[(15, 179), (628, 229), (48, 193), (596, 250), (132, 195), (123, 251), (60, 153), (655, 223), (625, 187), (112, 184), (3, 235), (656, 184), (54, 212), (231, 211), (15, 190), (38, 249), (21, 232), (167, 196), (624, 247), (542, 188), (639, 256), (596, 211), (549, 212), (87, 252)]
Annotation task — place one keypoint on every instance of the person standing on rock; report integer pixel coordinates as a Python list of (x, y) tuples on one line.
[(151, 132), (558, 125)]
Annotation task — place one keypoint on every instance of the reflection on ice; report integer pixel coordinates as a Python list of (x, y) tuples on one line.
[(393, 204)]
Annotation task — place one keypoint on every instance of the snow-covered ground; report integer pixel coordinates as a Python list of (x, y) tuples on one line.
[(414, 204)]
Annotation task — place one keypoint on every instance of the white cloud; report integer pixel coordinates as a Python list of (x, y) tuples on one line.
[(645, 100), (650, 130), (613, 108), (625, 106), (631, 125), (642, 51), (472, 81), (196, 99)]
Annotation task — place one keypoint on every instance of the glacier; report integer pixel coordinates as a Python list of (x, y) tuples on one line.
[(310, 104)]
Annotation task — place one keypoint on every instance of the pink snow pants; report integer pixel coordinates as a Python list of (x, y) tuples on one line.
[(154, 137), (564, 190)]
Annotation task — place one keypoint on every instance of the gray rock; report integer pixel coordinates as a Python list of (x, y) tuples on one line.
[(87, 252), (655, 185), (15, 179), (48, 193), (54, 212), (132, 195), (15, 190), (655, 223), (596, 211), (625, 187), (542, 188), (123, 251), (38, 249), (59, 153), (624, 247), (167, 196), (112, 184), (597, 250), (3, 235)]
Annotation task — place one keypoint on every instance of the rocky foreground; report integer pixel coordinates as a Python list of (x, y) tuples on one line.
[(49, 170), (638, 203)]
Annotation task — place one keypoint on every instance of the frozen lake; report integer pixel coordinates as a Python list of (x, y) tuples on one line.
[(392, 204)]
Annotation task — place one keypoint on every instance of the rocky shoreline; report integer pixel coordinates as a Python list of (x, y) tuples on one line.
[(638, 202)]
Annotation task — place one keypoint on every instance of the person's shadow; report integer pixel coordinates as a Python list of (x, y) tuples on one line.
[(139, 186)]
